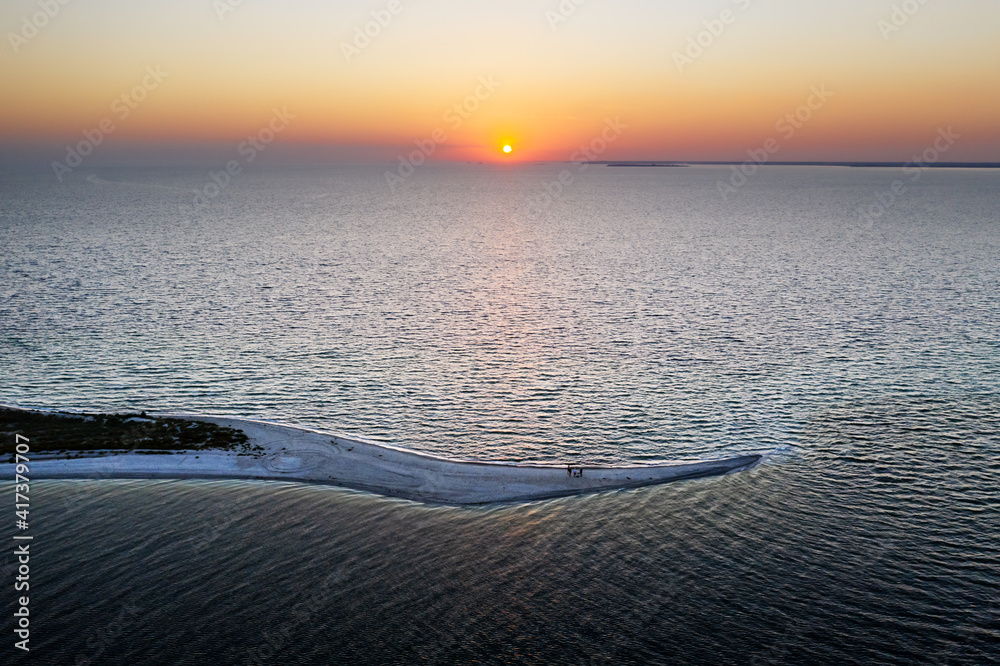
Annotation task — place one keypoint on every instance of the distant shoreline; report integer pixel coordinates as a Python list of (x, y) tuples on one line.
[(865, 165), (646, 164), (31, 169)]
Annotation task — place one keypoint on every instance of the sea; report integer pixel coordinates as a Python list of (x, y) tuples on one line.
[(847, 320)]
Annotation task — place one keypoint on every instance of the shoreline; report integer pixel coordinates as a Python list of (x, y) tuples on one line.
[(293, 453)]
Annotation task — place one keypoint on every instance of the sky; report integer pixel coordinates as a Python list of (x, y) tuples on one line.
[(713, 80)]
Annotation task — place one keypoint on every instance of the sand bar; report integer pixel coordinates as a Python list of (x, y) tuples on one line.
[(289, 453)]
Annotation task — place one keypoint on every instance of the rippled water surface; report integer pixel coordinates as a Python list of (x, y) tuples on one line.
[(638, 316)]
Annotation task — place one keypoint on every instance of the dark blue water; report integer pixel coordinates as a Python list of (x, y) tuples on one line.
[(638, 317)]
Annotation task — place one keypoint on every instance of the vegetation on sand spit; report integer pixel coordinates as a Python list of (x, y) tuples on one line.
[(73, 434)]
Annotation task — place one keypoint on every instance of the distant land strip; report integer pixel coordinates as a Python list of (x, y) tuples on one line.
[(878, 165)]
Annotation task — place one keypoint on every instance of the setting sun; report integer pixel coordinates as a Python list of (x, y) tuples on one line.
[(507, 149)]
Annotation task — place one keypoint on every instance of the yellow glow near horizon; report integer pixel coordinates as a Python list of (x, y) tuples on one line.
[(447, 74)]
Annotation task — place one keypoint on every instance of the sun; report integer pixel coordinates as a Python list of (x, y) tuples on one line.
[(507, 149)]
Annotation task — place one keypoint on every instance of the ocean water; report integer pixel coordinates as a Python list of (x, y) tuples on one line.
[(639, 315)]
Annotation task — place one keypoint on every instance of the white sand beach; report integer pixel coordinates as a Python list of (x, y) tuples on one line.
[(291, 453)]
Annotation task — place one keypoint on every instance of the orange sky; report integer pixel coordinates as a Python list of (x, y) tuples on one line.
[(553, 77)]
